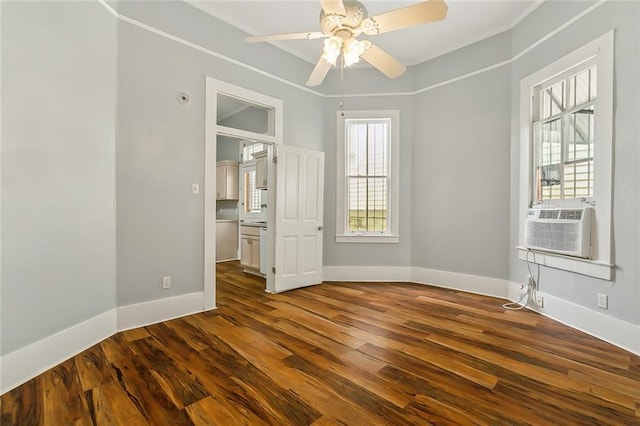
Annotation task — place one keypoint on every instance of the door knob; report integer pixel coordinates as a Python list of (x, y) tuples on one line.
[(320, 228)]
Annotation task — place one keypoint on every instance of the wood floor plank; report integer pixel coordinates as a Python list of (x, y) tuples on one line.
[(208, 412), (133, 375), (180, 384), (23, 404), (110, 405), (344, 353), (93, 368), (63, 401)]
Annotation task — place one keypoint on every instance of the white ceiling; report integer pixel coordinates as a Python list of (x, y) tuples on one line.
[(467, 21)]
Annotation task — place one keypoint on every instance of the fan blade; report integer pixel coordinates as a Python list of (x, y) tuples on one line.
[(333, 7), (319, 72), (383, 62), (417, 14), (288, 36)]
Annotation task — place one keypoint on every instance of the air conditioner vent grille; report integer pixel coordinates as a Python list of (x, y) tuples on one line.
[(549, 214), (564, 231), (571, 214)]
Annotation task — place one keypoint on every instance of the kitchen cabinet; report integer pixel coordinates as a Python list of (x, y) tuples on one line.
[(226, 240), (261, 169), (250, 248), (227, 180)]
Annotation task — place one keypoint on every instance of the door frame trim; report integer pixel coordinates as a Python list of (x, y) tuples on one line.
[(212, 130)]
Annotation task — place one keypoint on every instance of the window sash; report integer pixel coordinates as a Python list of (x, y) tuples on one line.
[(367, 176), (561, 170)]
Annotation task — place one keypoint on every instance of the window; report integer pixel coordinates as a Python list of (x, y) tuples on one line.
[(251, 196), (251, 148), (566, 145), (563, 134), (367, 177)]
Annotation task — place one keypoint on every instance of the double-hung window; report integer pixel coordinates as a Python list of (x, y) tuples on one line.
[(367, 176), (566, 145), (563, 134)]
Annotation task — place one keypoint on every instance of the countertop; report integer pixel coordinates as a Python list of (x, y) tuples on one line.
[(226, 220), (254, 224)]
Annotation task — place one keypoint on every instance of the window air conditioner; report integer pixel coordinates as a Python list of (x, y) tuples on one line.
[(564, 231)]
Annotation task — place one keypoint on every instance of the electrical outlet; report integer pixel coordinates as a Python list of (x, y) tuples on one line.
[(166, 282), (195, 188), (603, 301), (539, 301)]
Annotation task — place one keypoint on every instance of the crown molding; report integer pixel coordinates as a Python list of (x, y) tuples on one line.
[(233, 61)]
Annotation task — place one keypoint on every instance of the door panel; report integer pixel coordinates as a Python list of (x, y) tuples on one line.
[(298, 218)]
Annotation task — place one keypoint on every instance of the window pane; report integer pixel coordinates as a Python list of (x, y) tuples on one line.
[(580, 141), (578, 179), (549, 159), (357, 149), (251, 194), (582, 87), (377, 149), (367, 204), (552, 100)]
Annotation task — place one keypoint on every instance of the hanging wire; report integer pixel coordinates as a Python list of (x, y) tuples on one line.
[(342, 85)]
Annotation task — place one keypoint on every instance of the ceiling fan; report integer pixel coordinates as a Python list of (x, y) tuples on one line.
[(343, 21)]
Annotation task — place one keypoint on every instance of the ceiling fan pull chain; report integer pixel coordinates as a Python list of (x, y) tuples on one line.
[(342, 85)]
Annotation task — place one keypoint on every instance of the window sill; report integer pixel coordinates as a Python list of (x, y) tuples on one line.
[(384, 239), (592, 268)]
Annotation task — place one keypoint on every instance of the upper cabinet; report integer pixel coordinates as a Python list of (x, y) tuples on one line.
[(261, 169), (227, 180)]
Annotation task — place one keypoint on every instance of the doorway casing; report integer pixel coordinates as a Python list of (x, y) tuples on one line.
[(213, 129)]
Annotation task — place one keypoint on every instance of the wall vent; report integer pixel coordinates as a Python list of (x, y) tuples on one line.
[(564, 231)]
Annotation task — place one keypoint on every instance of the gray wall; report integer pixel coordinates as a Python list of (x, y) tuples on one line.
[(623, 17), (227, 148), (58, 189), (361, 254), (461, 176), (160, 143)]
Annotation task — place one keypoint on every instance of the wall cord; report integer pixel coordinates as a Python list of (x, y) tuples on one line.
[(531, 285)]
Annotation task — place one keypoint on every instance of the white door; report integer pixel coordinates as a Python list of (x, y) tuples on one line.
[(298, 217)]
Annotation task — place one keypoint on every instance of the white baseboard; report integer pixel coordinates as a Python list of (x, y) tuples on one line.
[(145, 313), (27, 362), (470, 283), (367, 273), (604, 327), (597, 324)]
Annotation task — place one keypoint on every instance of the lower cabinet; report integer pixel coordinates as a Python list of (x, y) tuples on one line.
[(250, 248), (226, 241)]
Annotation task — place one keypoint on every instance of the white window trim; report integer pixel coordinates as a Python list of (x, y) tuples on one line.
[(600, 265), (394, 185)]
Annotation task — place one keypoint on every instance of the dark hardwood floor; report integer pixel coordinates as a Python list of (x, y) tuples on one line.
[(339, 353)]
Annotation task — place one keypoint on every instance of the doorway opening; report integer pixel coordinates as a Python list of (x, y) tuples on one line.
[(239, 123)]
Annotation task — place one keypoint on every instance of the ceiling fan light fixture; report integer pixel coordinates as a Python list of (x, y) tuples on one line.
[(353, 49), (331, 51)]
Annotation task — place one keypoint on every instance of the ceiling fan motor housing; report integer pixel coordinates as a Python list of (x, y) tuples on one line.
[(356, 13)]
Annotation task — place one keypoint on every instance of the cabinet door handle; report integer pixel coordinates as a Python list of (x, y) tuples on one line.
[(320, 228)]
